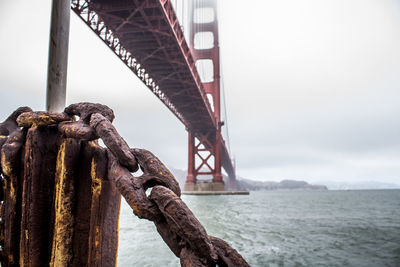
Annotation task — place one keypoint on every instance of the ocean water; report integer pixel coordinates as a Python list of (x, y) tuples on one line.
[(283, 228)]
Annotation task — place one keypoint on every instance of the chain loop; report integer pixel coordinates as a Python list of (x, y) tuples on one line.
[(176, 224)]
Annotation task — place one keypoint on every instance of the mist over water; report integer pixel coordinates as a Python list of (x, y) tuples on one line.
[(283, 228)]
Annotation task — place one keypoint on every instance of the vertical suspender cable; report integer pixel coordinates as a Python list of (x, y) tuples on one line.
[(225, 112)]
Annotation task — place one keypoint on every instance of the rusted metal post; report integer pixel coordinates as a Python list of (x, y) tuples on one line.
[(58, 56)]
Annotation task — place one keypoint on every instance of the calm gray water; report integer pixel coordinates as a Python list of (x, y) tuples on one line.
[(282, 228)]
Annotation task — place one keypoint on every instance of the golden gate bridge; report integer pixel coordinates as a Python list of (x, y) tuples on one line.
[(173, 48)]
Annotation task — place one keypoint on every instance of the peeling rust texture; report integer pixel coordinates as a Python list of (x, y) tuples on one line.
[(130, 188), (59, 207), (37, 196), (78, 130), (83, 203), (10, 124), (154, 171), (85, 110), (95, 241), (11, 209), (41, 118), (105, 207), (182, 221), (61, 193), (113, 141), (227, 256), (64, 202)]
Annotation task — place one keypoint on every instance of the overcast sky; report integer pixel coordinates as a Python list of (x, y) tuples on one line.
[(312, 86)]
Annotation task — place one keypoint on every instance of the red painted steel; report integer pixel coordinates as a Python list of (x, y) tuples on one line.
[(147, 37), (199, 26)]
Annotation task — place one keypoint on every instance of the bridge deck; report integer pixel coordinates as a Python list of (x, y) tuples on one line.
[(151, 31)]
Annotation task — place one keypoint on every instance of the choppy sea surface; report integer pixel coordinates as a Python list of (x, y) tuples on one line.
[(283, 228)]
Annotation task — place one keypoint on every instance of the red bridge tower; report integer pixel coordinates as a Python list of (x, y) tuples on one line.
[(205, 155)]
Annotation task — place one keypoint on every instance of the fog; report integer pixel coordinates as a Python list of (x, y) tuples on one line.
[(312, 87)]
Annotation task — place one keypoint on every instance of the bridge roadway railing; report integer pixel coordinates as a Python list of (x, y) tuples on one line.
[(147, 37)]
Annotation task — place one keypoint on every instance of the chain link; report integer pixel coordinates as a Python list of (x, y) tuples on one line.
[(175, 222)]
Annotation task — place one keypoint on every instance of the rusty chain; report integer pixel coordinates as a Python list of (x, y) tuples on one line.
[(175, 222)]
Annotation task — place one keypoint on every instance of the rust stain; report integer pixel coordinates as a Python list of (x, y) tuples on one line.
[(96, 181), (11, 258), (61, 254), (97, 237), (135, 208)]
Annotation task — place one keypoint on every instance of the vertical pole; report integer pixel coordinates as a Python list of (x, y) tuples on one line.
[(58, 56)]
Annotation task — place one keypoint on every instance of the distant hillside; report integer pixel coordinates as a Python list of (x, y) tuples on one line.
[(247, 184), (251, 185), (360, 185)]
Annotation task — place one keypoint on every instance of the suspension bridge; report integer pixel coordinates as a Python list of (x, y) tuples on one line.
[(173, 47), (61, 192)]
